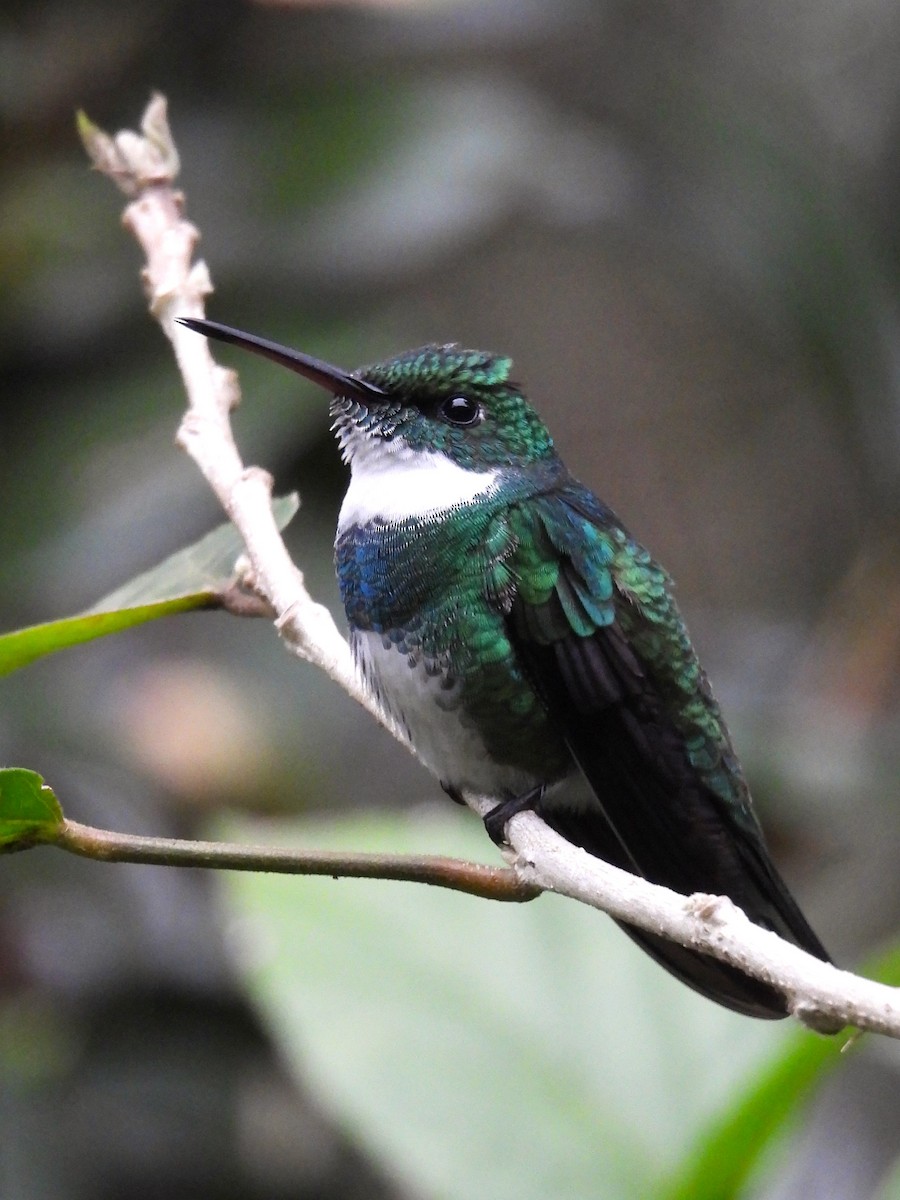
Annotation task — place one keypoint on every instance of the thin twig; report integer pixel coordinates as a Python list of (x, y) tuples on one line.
[(476, 879)]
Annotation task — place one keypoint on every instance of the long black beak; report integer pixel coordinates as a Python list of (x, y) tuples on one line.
[(333, 379)]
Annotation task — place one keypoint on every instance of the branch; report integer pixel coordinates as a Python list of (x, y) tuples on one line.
[(476, 879), (145, 167), (816, 993)]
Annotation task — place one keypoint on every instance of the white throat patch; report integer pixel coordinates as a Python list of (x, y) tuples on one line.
[(391, 482)]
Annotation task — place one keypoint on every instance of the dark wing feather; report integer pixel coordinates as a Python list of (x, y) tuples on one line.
[(606, 648)]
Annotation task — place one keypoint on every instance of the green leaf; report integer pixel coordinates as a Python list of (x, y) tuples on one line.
[(202, 567), (725, 1156), (735, 1144), (890, 1185), (187, 580), (23, 646), (485, 1049), (29, 811)]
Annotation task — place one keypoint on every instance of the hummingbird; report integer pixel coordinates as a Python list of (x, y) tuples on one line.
[(530, 649)]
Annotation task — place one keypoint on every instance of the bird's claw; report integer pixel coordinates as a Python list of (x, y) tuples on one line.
[(496, 820)]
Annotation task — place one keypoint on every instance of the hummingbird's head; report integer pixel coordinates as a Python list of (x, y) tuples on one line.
[(438, 399), (451, 401)]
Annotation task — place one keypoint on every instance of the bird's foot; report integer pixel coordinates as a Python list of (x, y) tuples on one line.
[(495, 821), (454, 793)]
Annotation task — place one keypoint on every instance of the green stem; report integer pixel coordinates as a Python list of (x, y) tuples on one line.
[(490, 883)]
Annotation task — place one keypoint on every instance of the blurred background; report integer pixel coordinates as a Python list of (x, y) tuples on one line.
[(681, 223)]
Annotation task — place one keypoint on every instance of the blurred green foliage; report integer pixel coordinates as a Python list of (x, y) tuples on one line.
[(681, 223), (533, 1036)]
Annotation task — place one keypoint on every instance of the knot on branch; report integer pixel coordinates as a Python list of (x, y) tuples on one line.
[(711, 910)]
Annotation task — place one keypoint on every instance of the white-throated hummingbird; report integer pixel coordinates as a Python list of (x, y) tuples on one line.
[(529, 647)]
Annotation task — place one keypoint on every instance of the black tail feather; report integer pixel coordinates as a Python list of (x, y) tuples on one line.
[(717, 980)]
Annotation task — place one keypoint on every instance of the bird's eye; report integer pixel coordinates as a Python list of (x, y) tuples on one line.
[(460, 410)]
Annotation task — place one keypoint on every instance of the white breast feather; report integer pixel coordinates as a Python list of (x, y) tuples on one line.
[(430, 716), (391, 482)]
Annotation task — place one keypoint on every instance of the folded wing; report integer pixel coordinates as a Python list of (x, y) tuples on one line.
[(594, 622)]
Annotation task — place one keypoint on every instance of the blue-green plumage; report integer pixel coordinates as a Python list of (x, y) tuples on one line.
[(530, 647)]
